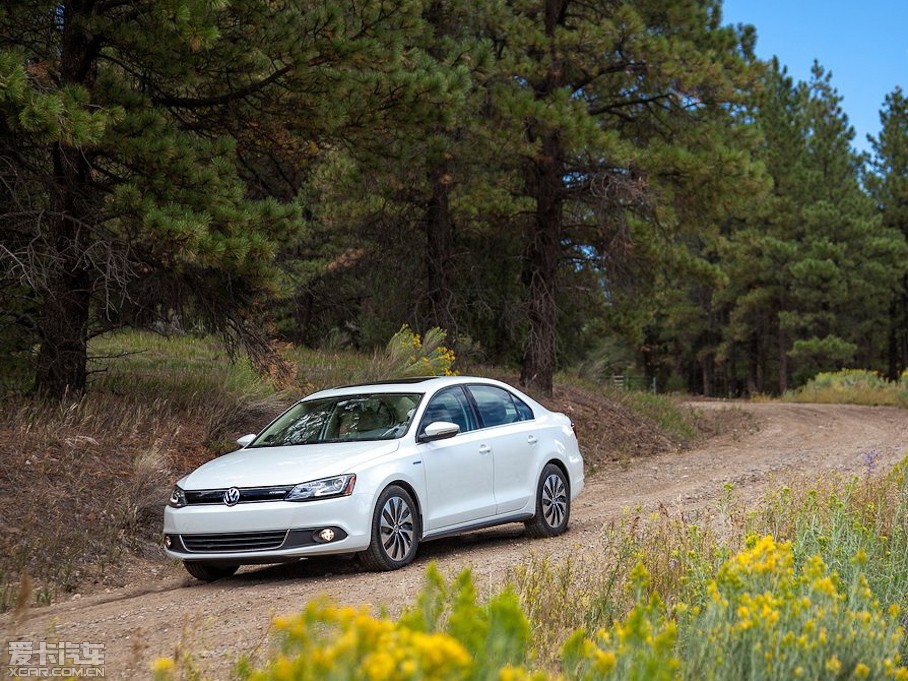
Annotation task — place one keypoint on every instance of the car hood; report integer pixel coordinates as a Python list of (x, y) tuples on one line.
[(289, 465)]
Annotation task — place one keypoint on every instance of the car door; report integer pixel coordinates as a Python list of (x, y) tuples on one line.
[(510, 432), (459, 470)]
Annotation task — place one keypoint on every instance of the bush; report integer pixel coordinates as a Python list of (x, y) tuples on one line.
[(447, 634), (852, 386), (766, 617)]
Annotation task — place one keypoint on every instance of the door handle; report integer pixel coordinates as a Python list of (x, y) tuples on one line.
[(484, 449), (532, 439)]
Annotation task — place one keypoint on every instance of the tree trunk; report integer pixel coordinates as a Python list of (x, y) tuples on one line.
[(63, 325), (893, 350), (540, 271), (783, 362), (439, 247), (898, 333), (545, 183)]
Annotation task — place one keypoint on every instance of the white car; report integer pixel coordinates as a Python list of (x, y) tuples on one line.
[(375, 469)]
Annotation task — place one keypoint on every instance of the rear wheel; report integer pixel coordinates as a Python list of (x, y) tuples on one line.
[(395, 531), (209, 572), (553, 504)]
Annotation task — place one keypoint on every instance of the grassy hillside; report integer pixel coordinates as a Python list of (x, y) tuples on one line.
[(102, 466)]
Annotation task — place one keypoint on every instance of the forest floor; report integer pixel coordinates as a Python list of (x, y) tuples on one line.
[(754, 446)]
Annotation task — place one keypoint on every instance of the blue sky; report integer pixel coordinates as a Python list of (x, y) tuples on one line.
[(864, 45)]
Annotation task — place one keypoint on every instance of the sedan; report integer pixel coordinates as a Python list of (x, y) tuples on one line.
[(373, 470)]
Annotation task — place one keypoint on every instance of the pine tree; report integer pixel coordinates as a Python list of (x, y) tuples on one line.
[(628, 144), (142, 139), (811, 270), (888, 185)]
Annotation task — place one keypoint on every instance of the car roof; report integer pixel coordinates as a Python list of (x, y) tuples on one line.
[(421, 384)]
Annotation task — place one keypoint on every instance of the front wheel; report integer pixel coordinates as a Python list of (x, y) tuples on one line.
[(209, 572), (395, 531), (553, 504)]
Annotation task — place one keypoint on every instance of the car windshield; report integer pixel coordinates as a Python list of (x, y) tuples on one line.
[(342, 418)]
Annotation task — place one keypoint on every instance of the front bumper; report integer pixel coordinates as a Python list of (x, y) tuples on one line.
[(271, 531)]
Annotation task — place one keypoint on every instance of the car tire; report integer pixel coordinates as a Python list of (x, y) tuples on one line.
[(395, 531), (209, 572), (553, 504)]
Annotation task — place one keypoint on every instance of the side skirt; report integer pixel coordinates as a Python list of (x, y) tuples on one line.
[(478, 525)]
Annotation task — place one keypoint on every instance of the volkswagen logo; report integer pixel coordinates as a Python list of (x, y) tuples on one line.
[(231, 496)]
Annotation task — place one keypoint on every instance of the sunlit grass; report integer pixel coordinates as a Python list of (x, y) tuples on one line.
[(169, 367), (853, 386), (662, 410)]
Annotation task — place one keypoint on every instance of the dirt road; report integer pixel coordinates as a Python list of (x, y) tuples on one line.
[(166, 609)]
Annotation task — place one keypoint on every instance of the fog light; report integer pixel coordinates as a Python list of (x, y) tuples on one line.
[(326, 535), (167, 541)]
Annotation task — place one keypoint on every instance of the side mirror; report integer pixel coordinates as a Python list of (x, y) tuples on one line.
[(439, 430), (246, 439)]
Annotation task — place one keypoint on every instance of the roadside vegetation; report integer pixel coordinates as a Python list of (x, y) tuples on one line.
[(853, 386), (813, 585)]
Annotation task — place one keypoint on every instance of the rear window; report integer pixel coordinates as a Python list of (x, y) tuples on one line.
[(498, 406)]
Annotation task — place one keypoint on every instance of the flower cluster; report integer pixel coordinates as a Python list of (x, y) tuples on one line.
[(765, 618), (446, 635), (326, 641), (410, 355)]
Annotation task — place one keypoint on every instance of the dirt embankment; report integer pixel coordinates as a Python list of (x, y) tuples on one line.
[(165, 609)]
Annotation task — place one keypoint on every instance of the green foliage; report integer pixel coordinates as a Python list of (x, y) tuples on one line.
[(808, 275), (189, 129), (852, 386), (640, 647), (765, 617), (406, 354), (887, 182), (448, 635)]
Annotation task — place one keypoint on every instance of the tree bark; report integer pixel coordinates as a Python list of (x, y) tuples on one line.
[(540, 271), (545, 184), (439, 248), (63, 325), (898, 333)]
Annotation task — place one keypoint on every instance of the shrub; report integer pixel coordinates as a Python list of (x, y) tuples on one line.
[(447, 634), (765, 617), (639, 648), (406, 354), (852, 386)]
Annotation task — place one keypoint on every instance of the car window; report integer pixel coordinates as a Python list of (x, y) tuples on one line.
[(498, 406), (451, 405), (523, 409), (343, 418)]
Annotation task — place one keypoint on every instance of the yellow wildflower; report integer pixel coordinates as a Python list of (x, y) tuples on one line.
[(163, 665), (605, 661)]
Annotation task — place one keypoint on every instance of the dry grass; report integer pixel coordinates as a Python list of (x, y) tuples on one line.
[(83, 483), (853, 386)]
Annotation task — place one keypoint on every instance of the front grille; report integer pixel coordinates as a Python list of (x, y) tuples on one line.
[(247, 494), (228, 543)]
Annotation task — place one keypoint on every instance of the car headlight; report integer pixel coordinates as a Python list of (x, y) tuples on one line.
[(338, 486), (177, 497)]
